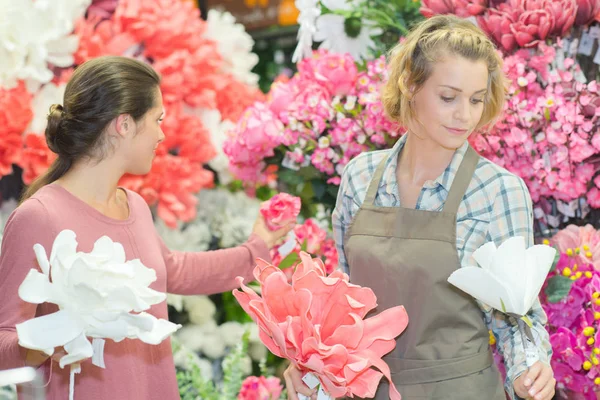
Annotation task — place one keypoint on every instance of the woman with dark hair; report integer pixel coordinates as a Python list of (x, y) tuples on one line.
[(108, 126)]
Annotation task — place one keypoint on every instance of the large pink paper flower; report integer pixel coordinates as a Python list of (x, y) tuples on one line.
[(280, 209), (260, 388), (317, 322)]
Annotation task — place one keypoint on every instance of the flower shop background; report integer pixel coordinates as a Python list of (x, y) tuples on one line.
[(315, 112)]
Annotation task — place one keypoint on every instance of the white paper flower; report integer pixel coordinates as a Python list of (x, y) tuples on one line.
[(307, 19), (49, 94), (235, 45), (331, 31), (510, 277), (34, 34), (96, 293)]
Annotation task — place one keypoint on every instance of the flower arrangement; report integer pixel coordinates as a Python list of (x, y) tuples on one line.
[(515, 24), (571, 299), (310, 127), (547, 134), (201, 70)]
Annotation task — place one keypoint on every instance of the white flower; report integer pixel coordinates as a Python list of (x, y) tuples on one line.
[(510, 277), (192, 336), (235, 45), (187, 359), (218, 129), (257, 351), (195, 236), (95, 293), (176, 301), (200, 308), (331, 31), (309, 11), (231, 332), (49, 94), (34, 34), (214, 346)]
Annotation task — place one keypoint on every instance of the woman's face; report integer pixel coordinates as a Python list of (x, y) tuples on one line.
[(146, 136), (449, 105)]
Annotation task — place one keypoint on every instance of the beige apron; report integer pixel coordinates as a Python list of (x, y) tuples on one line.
[(406, 256)]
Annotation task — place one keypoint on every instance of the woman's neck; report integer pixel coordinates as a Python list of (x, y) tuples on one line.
[(96, 184), (422, 160)]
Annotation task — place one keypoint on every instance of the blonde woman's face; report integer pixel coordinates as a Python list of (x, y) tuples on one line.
[(450, 104)]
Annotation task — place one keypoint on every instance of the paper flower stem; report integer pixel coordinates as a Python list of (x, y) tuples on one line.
[(531, 354)]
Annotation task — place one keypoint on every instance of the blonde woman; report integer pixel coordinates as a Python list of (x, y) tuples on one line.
[(407, 217)]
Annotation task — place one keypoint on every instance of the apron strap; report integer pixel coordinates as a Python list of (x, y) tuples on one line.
[(375, 180), (461, 180)]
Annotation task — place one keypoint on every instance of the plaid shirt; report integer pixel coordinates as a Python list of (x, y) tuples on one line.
[(496, 207)]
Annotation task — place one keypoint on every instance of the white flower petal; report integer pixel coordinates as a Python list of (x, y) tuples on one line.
[(49, 331), (77, 350), (42, 258), (481, 285), (36, 288)]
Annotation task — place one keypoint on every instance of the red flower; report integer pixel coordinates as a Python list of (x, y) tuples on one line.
[(15, 115), (170, 186), (36, 157)]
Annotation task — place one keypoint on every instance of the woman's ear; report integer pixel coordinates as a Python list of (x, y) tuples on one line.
[(123, 124)]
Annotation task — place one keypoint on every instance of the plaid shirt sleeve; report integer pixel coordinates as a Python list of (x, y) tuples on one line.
[(341, 217), (512, 216)]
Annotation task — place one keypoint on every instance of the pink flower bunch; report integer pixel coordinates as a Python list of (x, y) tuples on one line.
[(318, 120), (516, 24), (260, 388), (548, 132), (574, 326), (309, 237), (280, 210), (462, 8), (317, 321)]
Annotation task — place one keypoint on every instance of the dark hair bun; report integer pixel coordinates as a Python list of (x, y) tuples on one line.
[(55, 117)]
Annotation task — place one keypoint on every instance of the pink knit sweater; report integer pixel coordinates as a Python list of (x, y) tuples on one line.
[(134, 370)]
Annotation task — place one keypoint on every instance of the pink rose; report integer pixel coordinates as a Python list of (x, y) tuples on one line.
[(260, 388), (280, 209)]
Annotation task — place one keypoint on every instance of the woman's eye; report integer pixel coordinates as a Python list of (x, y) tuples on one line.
[(476, 101), (447, 99)]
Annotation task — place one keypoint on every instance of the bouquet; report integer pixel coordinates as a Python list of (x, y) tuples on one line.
[(317, 323), (509, 280), (96, 293)]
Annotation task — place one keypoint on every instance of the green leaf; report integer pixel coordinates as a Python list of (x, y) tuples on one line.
[(558, 288), (290, 177), (503, 306), (304, 245), (319, 188), (556, 258), (289, 261), (526, 319)]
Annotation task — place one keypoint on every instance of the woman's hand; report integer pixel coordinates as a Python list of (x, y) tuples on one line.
[(34, 358), (270, 237), (294, 384), (537, 383)]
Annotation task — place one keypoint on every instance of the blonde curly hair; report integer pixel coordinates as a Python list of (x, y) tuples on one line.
[(411, 64)]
